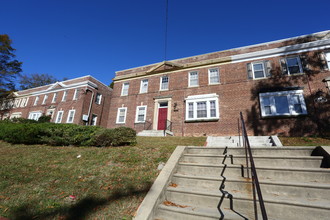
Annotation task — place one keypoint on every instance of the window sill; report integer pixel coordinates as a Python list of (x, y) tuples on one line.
[(139, 122), (284, 116), (163, 90), (296, 74), (201, 120), (261, 78), (120, 123), (193, 86), (210, 84)]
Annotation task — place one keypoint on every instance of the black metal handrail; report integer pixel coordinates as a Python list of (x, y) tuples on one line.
[(254, 176), (147, 125), (168, 125)]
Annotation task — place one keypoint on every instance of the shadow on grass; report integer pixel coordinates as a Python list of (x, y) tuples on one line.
[(80, 210)]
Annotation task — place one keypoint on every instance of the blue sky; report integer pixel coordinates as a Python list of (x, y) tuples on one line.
[(72, 38)]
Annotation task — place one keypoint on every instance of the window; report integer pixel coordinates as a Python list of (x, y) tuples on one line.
[(34, 115), (36, 100), (17, 102), (65, 94), (327, 57), (76, 94), (193, 79), (141, 114), (54, 97), (50, 112), (291, 65), (121, 115), (94, 120), (98, 98), (59, 117), (214, 77), (23, 102), (285, 103), (124, 90), (70, 116), (16, 115), (164, 83), (202, 107), (45, 99), (144, 86), (259, 70)]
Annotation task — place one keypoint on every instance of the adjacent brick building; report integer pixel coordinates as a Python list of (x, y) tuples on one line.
[(82, 100), (280, 86)]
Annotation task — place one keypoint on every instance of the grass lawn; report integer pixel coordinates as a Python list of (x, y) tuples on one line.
[(305, 141), (42, 182)]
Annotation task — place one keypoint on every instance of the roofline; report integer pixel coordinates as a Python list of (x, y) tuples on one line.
[(236, 48)]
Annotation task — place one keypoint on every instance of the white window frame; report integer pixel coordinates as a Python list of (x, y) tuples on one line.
[(144, 89), (23, 102), (65, 94), (208, 98), (299, 64), (17, 103), (124, 90), (209, 75), (327, 58), (189, 78), (54, 97), (34, 115), (36, 101), (137, 114), (73, 112), (98, 98), (263, 70), (16, 115), (123, 122), (164, 83), (59, 117), (289, 95), (75, 95), (45, 99), (94, 120)]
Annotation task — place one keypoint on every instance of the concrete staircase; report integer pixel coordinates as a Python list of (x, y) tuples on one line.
[(235, 141), (155, 133), (292, 182)]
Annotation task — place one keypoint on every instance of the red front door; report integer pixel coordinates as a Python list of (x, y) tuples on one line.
[(162, 117)]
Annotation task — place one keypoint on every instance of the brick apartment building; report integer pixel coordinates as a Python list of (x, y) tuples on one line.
[(280, 86), (82, 100)]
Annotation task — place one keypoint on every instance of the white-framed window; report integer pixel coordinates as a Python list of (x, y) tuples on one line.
[(36, 100), (202, 107), (98, 98), (259, 69), (50, 112), (76, 94), (17, 103), (124, 89), (45, 99), (16, 115), (23, 102), (193, 79), (164, 83), (65, 94), (54, 97), (291, 65), (121, 115), (34, 115), (59, 117), (144, 86), (71, 114), (94, 120), (141, 113), (214, 76), (327, 57), (283, 103)]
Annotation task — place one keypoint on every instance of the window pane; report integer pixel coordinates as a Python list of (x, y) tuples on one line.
[(164, 84), (281, 104), (258, 69), (191, 110), (193, 79), (144, 86), (293, 65), (214, 76), (212, 109), (201, 110)]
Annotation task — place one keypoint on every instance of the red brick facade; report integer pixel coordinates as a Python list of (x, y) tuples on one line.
[(297, 114), (76, 97)]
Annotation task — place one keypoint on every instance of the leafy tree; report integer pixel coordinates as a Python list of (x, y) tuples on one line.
[(111, 85), (9, 67), (35, 80)]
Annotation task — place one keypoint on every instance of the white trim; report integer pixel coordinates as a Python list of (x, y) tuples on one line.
[(64, 96), (34, 115), (75, 94), (137, 112), (161, 83), (124, 89), (15, 115), (189, 78), (45, 99), (289, 94), (98, 98), (74, 112), (207, 98), (59, 116), (209, 77), (94, 120), (54, 97), (287, 66), (118, 111), (263, 69), (141, 86), (36, 100)]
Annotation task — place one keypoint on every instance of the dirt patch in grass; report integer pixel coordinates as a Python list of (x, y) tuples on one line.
[(305, 141), (42, 182)]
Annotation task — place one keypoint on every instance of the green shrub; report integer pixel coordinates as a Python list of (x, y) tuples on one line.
[(44, 118), (123, 136), (23, 121), (103, 138)]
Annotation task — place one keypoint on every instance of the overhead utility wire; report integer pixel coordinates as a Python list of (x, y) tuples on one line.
[(166, 25)]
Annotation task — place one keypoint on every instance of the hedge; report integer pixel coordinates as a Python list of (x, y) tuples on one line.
[(28, 132)]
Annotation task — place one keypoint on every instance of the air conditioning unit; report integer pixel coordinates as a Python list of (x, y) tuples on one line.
[(85, 117)]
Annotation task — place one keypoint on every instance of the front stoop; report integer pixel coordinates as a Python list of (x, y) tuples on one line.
[(292, 182)]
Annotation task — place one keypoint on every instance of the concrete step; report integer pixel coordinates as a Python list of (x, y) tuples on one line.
[(151, 133), (278, 161), (307, 175), (273, 151), (235, 141), (269, 188), (243, 204)]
